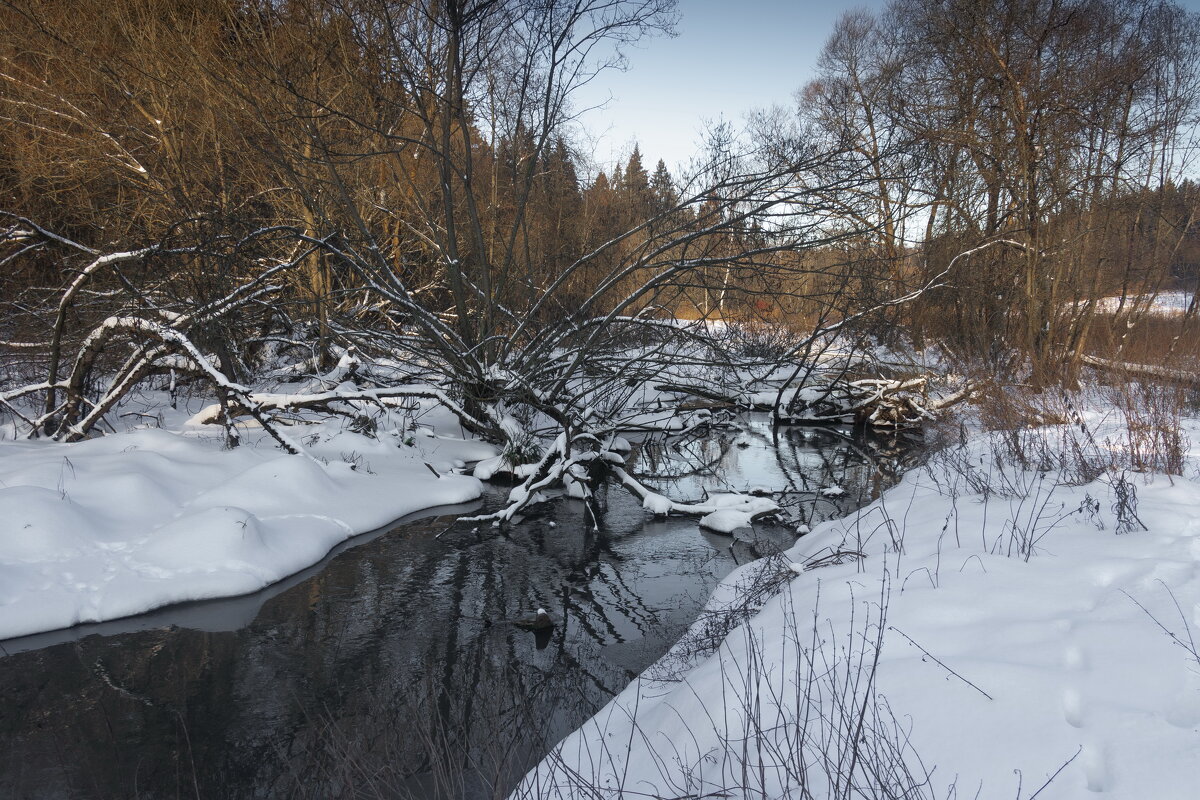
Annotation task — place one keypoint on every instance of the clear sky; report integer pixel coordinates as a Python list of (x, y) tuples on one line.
[(730, 56)]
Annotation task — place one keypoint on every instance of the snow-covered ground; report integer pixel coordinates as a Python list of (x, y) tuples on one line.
[(129, 522), (980, 631)]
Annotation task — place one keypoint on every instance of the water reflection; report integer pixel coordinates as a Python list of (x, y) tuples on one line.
[(394, 668)]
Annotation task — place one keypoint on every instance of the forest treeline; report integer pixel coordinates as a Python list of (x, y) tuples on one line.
[(1064, 128), (140, 122), (404, 175)]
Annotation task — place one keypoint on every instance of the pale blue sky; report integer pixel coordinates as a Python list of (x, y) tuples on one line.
[(730, 56)]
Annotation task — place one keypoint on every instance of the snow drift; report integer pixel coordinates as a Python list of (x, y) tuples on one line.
[(126, 523)]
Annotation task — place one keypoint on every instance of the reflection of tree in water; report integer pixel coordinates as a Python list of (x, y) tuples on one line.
[(805, 460), (665, 458), (394, 670)]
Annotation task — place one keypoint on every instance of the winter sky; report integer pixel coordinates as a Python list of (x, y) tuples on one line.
[(729, 57)]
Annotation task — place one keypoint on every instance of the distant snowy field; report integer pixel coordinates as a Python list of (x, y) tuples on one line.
[(997, 674), (1165, 304), (128, 522)]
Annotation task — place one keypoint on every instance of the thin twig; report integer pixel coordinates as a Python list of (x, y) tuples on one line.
[(939, 662), (1050, 780)]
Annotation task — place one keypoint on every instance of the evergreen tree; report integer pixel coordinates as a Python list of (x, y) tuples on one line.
[(662, 189), (562, 206), (635, 195), (637, 182)]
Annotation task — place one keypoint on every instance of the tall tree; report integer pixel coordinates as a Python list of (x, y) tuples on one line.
[(1004, 124), (663, 194)]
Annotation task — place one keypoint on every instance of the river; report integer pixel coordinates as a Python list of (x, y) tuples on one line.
[(393, 668)]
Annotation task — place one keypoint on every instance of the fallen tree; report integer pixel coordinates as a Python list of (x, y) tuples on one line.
[(434, 292), (1183, 377), (871, 402)]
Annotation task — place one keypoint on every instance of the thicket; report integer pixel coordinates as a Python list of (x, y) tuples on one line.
[(210, 189), (1056, 132)]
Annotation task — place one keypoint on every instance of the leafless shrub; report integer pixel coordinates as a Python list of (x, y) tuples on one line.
[(1153, 438), (1125, 504), (760, 340), (1040, 442), (1023, 471), (1036, 444), (1182, 638)]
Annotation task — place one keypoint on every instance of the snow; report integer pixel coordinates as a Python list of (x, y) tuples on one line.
[(488, 468), (726, 520), (1160, 304), (1022, 640), (723, 512), (620, 445), (129, 522), (657, 504)]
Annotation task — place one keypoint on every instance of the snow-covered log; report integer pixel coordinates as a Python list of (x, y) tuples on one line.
[(268, 402), (1185, 377), (874, 402), (578, 470)]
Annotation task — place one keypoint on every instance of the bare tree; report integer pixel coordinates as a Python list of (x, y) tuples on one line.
[(401, 154), (1019, 121)]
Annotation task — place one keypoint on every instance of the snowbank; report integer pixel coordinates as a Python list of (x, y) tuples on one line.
[(1019, 640), (129, 522)]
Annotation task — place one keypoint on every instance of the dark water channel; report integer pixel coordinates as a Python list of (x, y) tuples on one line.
[(393, 668)]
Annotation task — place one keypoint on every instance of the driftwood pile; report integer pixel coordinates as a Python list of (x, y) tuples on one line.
[(871, 402)]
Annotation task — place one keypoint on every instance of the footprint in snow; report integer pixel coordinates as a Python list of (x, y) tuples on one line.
[(1074, 658), (1184, 709), (1095, 767), (1072, 702)]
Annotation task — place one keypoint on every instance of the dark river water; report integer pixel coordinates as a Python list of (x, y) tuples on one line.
[(393, 668)]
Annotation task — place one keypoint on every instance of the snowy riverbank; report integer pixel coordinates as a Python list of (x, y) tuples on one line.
[(981, 631), (133, 521)]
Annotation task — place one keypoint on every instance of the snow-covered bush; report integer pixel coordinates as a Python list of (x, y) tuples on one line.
[(521, 450)]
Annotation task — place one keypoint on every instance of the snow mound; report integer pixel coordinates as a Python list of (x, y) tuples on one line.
[(40, 525), (620, 445), (657, 504), (214, 539), (726, 520), (130, 522)]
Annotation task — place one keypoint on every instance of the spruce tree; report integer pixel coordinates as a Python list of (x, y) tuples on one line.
[(662, 189), (636, 199)]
